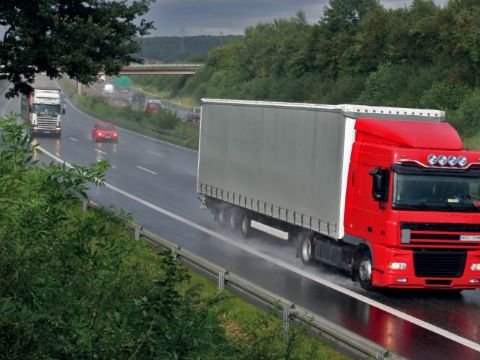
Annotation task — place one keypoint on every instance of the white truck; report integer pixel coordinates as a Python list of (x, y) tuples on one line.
[(42, 108)]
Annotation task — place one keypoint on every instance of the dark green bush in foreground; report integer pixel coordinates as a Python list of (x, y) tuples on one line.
[(75, 285)]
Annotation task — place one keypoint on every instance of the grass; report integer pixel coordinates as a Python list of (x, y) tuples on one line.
[(472, 143), (240, 317), (164, 125)]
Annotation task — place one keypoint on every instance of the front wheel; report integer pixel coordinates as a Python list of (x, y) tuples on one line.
[(365, 270)]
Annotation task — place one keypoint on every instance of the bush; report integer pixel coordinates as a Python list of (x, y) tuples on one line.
[(444, 95), (469, 114)]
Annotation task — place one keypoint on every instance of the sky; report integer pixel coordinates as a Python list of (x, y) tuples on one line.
[(225, 17)]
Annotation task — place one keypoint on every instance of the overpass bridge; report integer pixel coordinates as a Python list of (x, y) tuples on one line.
[(161, 69), (155, 69)]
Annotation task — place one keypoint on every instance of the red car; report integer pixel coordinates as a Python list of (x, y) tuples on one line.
[(104, 131)]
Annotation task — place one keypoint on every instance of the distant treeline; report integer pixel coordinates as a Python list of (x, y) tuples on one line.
[(359, 52), (180, 49)]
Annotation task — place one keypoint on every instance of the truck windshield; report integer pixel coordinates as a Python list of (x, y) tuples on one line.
[(47, 109), (439, 192)]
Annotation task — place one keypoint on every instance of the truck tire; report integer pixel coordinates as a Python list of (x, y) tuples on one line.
[(223, 216), (365, 270), (306, 249), (245, 226), (233, 219)]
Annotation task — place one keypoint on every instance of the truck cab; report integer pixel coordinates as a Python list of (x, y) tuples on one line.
[(413, 200), (42, 108)]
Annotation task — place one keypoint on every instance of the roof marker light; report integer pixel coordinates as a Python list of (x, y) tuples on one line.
[(432, 159), (452, 160), (462, 161), (442, 160)]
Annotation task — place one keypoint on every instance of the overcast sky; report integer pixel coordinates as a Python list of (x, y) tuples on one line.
[(215, 17)]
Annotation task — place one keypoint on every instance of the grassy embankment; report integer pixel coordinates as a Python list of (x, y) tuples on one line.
[(164, 125)]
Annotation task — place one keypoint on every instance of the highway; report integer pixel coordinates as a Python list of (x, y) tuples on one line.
[(156, 182)]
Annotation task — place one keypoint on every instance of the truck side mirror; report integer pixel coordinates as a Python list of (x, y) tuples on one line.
[(380, 184), (63, 111)]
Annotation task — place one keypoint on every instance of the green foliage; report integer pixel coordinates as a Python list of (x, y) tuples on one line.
[(444, 95), (64, 37), (469, 114)]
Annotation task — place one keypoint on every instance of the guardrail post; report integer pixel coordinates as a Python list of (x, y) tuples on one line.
[(85, 205), (221, 280), (175, 252), (137, 233), (286, 319)]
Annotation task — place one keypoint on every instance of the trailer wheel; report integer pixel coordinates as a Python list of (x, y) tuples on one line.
[(365, 270), (222, 216), (233, 219), (306, 249), (245, 227)]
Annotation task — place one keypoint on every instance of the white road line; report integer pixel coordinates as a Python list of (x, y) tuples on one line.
[(73, 139), (154, 153), (404, 316), (100, 151), (147, 170)]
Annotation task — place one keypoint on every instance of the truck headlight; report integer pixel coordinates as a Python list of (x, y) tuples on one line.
[(392, 265), (475, 267), (442, 160), (452, 160)]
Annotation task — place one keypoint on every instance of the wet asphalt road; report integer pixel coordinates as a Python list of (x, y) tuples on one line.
[(164, 176)]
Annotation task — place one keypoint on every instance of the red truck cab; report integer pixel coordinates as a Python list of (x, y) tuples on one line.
[(413, 200)]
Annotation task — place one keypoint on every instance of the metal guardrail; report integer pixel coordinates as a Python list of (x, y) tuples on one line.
[(355, 344)]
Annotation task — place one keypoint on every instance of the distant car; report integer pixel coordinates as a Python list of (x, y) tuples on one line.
[(137, 100), (153, 106), (194, 115), (104, 131)]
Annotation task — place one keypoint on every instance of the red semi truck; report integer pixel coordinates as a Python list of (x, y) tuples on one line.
[(388, 195)]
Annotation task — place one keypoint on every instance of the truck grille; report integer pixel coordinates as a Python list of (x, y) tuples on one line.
[(46, 123), (439, 263), (440, 234)]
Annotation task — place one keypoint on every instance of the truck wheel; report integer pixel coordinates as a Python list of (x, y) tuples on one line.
[(222, 216), (365, 270), (245, 227), (306, 249), (233, 219)]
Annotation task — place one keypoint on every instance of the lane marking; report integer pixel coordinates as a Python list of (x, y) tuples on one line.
[(145, 169), (100, 151), (404, 316), (155, 153), (73, 139)]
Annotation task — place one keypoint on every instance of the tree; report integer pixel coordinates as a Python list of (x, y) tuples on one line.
[(78, 38)]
